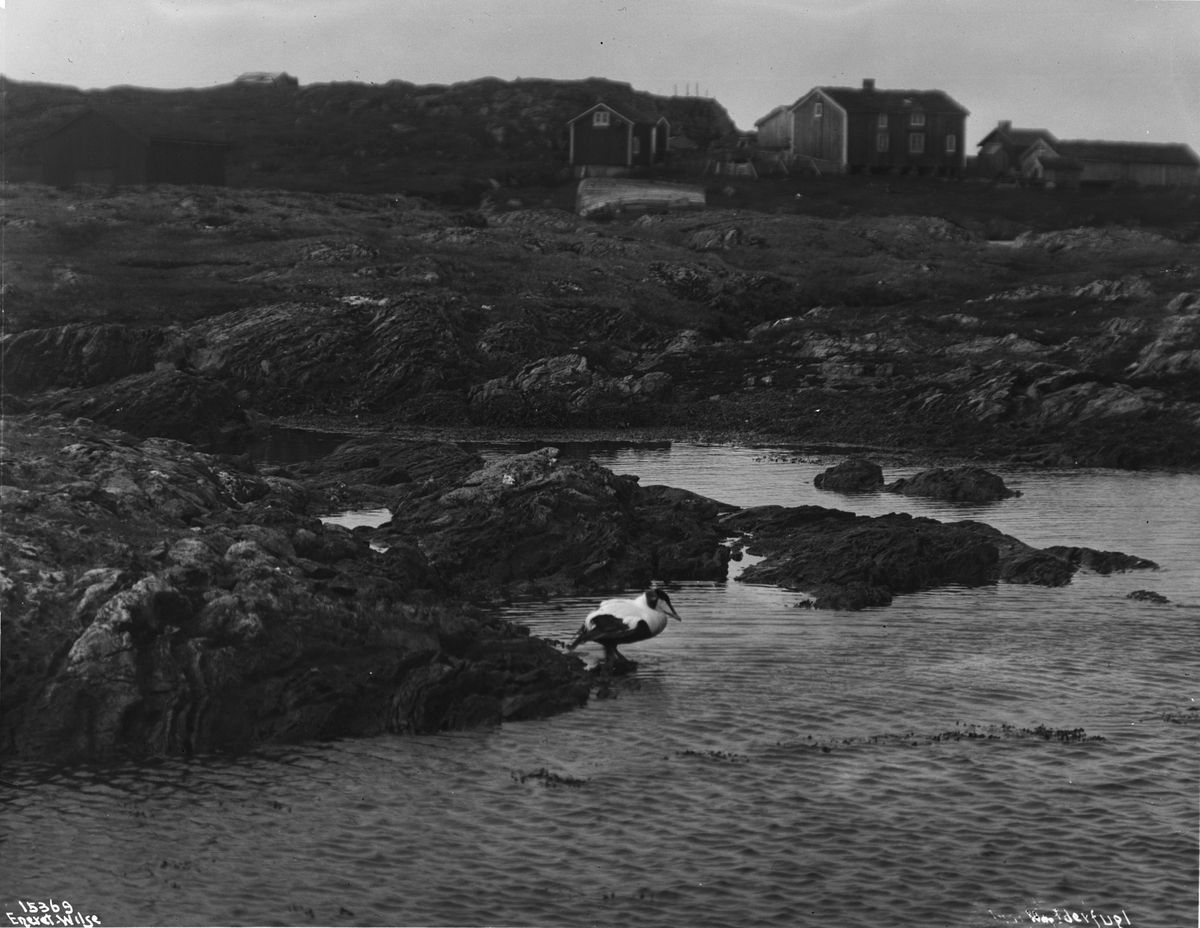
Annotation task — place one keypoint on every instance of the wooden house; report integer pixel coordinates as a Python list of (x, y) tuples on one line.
[(1144, 163), (1002, 149), (1044, 166), (865, 129), (775, 129), (97, 148), (1035, 154), (611, 139)]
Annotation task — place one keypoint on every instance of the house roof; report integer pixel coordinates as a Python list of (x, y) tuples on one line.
[(775, 112), (860, 100), (1018, 138), (625, 111), (1057, 163), (1128, 152)]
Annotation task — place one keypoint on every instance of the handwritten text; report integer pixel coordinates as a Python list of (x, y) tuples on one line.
[(50, 913)]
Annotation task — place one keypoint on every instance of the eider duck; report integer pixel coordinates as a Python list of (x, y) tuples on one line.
[(624, 621)]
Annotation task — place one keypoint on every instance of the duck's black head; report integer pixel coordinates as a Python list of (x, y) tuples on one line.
[(658, 599)]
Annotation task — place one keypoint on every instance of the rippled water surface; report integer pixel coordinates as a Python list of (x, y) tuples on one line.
[(765, 764)]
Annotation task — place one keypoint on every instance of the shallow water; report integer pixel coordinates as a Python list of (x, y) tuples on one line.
[(765, 765)]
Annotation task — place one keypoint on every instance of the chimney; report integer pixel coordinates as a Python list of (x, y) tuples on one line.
[(868, 83), (1005, 125)]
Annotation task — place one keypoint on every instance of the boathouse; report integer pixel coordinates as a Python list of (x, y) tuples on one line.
[(1149, 164)]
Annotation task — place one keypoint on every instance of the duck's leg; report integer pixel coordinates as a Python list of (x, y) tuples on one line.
[(622, 664)]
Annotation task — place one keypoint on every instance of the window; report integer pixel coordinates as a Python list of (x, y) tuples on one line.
[(817, 107), (882, 123), (951, 144), (881, 141), (917, 119), (637, 145), (916, 143), (600, 118)]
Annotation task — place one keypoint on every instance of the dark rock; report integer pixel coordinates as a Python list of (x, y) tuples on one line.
[(221, 629), (1003, 230), (969, 484), (853, 475), (75, 356), (1039, 568), (538, 521), (365, 471), (373, 460), (844, 561), (565, 391), (1148, 596), (167, 403), (1102, 562), (715, 239)]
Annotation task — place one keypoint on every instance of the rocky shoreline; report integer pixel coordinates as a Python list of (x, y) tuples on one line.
[(159, 600)]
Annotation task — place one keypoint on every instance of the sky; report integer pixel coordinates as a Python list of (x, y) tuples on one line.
[(1100, 69)]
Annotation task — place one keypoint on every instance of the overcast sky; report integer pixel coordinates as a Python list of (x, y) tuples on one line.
[(1110, 69)]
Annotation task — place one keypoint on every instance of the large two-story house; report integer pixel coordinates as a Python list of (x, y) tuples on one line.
[(867, 129)]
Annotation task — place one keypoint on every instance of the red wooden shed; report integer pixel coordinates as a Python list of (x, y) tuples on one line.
[(611, 138)]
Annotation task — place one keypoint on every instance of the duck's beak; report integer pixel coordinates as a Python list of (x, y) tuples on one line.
[(674, 613)]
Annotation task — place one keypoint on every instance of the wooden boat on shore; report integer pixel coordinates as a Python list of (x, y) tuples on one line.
[(601, 196)]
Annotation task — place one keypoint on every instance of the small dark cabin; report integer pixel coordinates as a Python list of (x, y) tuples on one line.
[(611, 138), (95, 148)]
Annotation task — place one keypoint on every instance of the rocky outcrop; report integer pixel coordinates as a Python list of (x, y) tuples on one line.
[(844, 561), (847, 327), (157, 601), (565, 390), (364, 472), (1127, 288), (1174, 351), (1101, 562), (162, 403), (540, 522), (1093, 239), (1186, 303), (76, 355), (853, 475), (1148, 596), (968, 484)]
